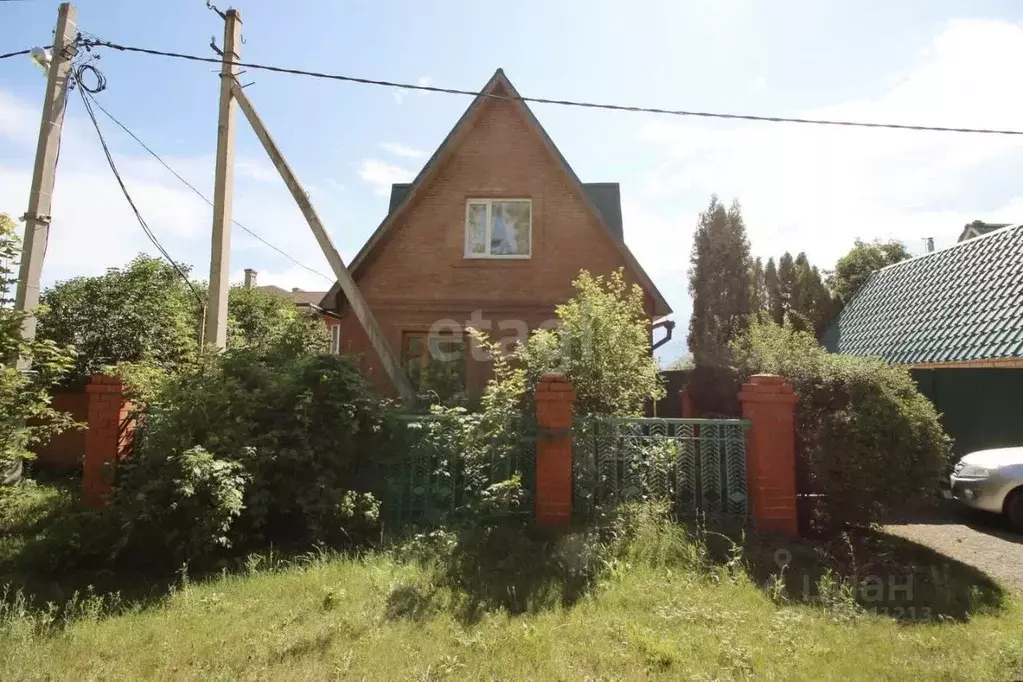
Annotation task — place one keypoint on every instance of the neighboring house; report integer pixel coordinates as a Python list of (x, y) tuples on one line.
[(979, 228), (490, 234), (305, 300), (954, 317)]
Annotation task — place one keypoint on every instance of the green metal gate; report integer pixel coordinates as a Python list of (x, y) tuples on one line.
[(422, 478), (698, 465)]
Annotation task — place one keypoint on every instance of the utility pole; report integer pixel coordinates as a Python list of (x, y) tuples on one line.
[(223, 188), (37, 217), (344, 278)]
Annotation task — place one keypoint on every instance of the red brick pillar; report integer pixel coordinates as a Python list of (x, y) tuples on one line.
[(554, 402), (108, 437), (685, 402), (770, 405)]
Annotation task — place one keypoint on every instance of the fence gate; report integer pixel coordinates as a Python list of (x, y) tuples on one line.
[(423, 479), (698, 465)]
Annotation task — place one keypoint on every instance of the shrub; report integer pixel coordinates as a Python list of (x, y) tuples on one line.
[(191, 499), (26, 417), (295, 427), (866, 438), (602, 345)]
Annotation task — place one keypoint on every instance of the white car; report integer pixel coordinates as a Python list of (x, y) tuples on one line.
[(992, 480)]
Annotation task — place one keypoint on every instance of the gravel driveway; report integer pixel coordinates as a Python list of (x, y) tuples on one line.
[(976, 539)]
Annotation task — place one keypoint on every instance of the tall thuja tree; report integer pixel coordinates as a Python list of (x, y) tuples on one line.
[(772, 286), (26, 417), (810, 304), (719, 282), (786, 282), (758, 286)]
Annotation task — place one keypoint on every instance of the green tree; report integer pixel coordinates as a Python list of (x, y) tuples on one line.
[(26, 417), (853, 269), (602, 345), (786, 282), (142, 313), (145, 319), (758, 286), (775, 304), (260, 319), (810, 306), (719, 282)]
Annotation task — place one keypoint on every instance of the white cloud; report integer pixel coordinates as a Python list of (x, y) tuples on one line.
[(18, 121), (256, 169), (399, 149), (817, 188), (93, 227), (382, 175), (400, 94)]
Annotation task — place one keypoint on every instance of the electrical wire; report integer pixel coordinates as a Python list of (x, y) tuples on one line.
[(14, 54), (90, 43), (113, 167), (203, 196)]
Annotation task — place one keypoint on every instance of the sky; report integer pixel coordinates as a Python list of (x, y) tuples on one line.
[(802, 188)]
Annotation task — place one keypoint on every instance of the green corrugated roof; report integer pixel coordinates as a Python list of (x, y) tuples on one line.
[(961, 303)]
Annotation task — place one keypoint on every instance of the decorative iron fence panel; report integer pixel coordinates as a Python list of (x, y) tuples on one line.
[(698, 465), (424, 477)]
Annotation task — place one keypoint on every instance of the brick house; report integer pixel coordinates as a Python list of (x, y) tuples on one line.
[(490, 234)]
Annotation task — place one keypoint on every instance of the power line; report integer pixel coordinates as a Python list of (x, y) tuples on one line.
[(14, 54), (113, 167), (203, 196), (89, 43)]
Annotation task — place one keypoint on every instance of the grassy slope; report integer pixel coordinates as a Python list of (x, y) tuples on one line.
[(658, 609), (377, 619)]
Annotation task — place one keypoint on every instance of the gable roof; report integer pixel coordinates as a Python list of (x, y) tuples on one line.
[(602, 199), (959, 304), (978, 228)]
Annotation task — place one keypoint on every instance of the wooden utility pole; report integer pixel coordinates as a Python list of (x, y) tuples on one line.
[(223, 188), (37, 217), (344, 278)]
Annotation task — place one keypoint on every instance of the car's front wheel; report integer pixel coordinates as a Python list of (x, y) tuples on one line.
[(1014, 509)]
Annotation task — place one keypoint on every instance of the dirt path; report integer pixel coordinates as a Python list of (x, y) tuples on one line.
[(975, 539)]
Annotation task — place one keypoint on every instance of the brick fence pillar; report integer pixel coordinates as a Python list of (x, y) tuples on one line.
[(108, 438), (770, 405), (685, 402), (554, 403)]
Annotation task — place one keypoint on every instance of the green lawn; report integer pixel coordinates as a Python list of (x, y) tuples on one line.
[(659, 604)]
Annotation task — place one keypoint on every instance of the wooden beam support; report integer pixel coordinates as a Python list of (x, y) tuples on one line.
[(344, 277)]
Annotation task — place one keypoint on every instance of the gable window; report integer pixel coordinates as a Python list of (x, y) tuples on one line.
[(434, 363), (498, 228)]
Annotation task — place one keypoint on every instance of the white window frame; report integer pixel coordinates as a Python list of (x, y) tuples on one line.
[(335, 339), (489, 203)]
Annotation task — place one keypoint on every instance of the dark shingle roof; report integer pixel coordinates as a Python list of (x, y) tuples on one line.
[(606, 196), (959, 304), (298, 296), (978, 228)]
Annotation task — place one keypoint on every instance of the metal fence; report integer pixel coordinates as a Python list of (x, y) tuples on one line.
[(698, 465), (429, 473)]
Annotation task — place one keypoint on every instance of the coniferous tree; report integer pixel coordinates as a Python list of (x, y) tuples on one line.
[(775, 305), (719, 282)]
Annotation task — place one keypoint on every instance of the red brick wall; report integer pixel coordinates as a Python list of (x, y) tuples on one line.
[(418, 275), (65, 450)]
